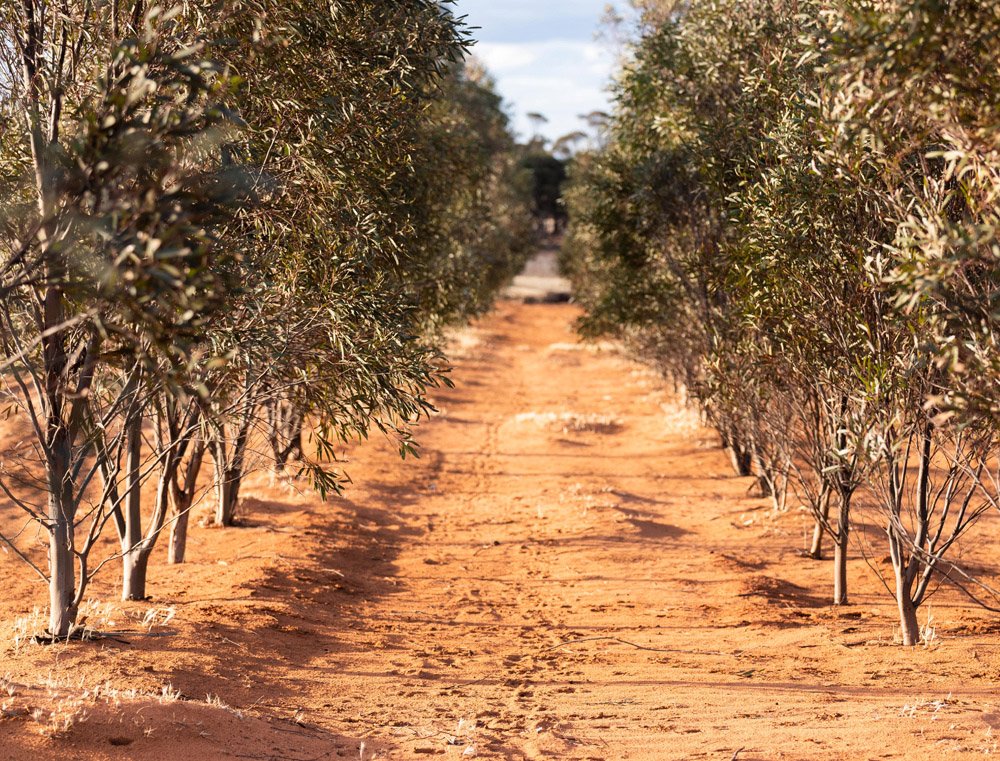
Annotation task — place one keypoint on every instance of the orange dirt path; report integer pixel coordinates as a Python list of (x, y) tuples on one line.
[(570, 571)]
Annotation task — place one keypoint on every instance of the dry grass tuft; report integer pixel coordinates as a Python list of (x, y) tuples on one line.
[(570, 422), (57, 721), (595, 347)]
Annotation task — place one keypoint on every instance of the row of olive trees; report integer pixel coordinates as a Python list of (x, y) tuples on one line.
[(796, 217), (226, 224)]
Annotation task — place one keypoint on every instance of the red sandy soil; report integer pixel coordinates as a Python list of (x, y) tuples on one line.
[(570, 571)]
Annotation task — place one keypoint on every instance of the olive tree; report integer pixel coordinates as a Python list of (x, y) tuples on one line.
[(795, 218), (913, 100), (111, 203)]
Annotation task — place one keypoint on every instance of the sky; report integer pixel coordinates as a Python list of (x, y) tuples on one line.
[(545, 58)]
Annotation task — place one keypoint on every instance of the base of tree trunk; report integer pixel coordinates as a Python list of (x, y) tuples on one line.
[(225, 508), (62, 587), (816, 548), (177, 547), (134, 566), (840, 573), (909, 628), (741, 460)]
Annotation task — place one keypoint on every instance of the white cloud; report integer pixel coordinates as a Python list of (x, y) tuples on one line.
[(502, 57), (559, 78), (544, 57)]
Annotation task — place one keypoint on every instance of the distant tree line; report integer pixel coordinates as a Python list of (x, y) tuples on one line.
[(547, 165), (796, 218), (226, 223)]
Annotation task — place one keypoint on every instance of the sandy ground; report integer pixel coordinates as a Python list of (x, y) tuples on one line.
[(570, 571), (540, 281)]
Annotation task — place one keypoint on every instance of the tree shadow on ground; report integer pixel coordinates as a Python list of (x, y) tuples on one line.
[(647, 528), (264, 645), (780, 591)]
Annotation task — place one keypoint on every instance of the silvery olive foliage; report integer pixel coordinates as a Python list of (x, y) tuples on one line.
[(225, 225), (795, 218)]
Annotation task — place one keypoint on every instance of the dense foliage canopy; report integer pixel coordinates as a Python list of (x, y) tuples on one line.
[(796, 218), (227, 221)]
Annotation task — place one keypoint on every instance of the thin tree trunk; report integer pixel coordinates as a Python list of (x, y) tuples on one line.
[(840, 571), (840, 550), (816, 548), (765, 474), (134, 556), (221, 467), (62, 572), (179, 531), (780, 496), (62, 513), (906, 572), (284, 432), (62, 582), (295, 449), (225, 507), (908, 627), (843, 519), (741, 460), (228, 491), (134, 566), (228, 478), (273, 409), (819, 529), (182, 495), (229, 472)]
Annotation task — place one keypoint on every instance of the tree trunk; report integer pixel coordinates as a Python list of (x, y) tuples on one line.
[(62, 572), (295, 450), (62, 583), (223, 499), (182, 496), (819, 530), (298, 447), (272, 407), (908, 627), (765, 474), (741, 460), (134, 556), (228, 491), (179, 531), (134, 565), (840, 570), (777, 486), (840, 549), (284, 432), (61, 507), (816, 548), (229, 470)]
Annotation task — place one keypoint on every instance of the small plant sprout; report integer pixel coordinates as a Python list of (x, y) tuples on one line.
[(168, 694), (217, 702), (155, 617), (928, 632)]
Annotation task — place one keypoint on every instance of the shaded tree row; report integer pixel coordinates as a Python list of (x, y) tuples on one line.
[(223, 224), (795, 218)]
